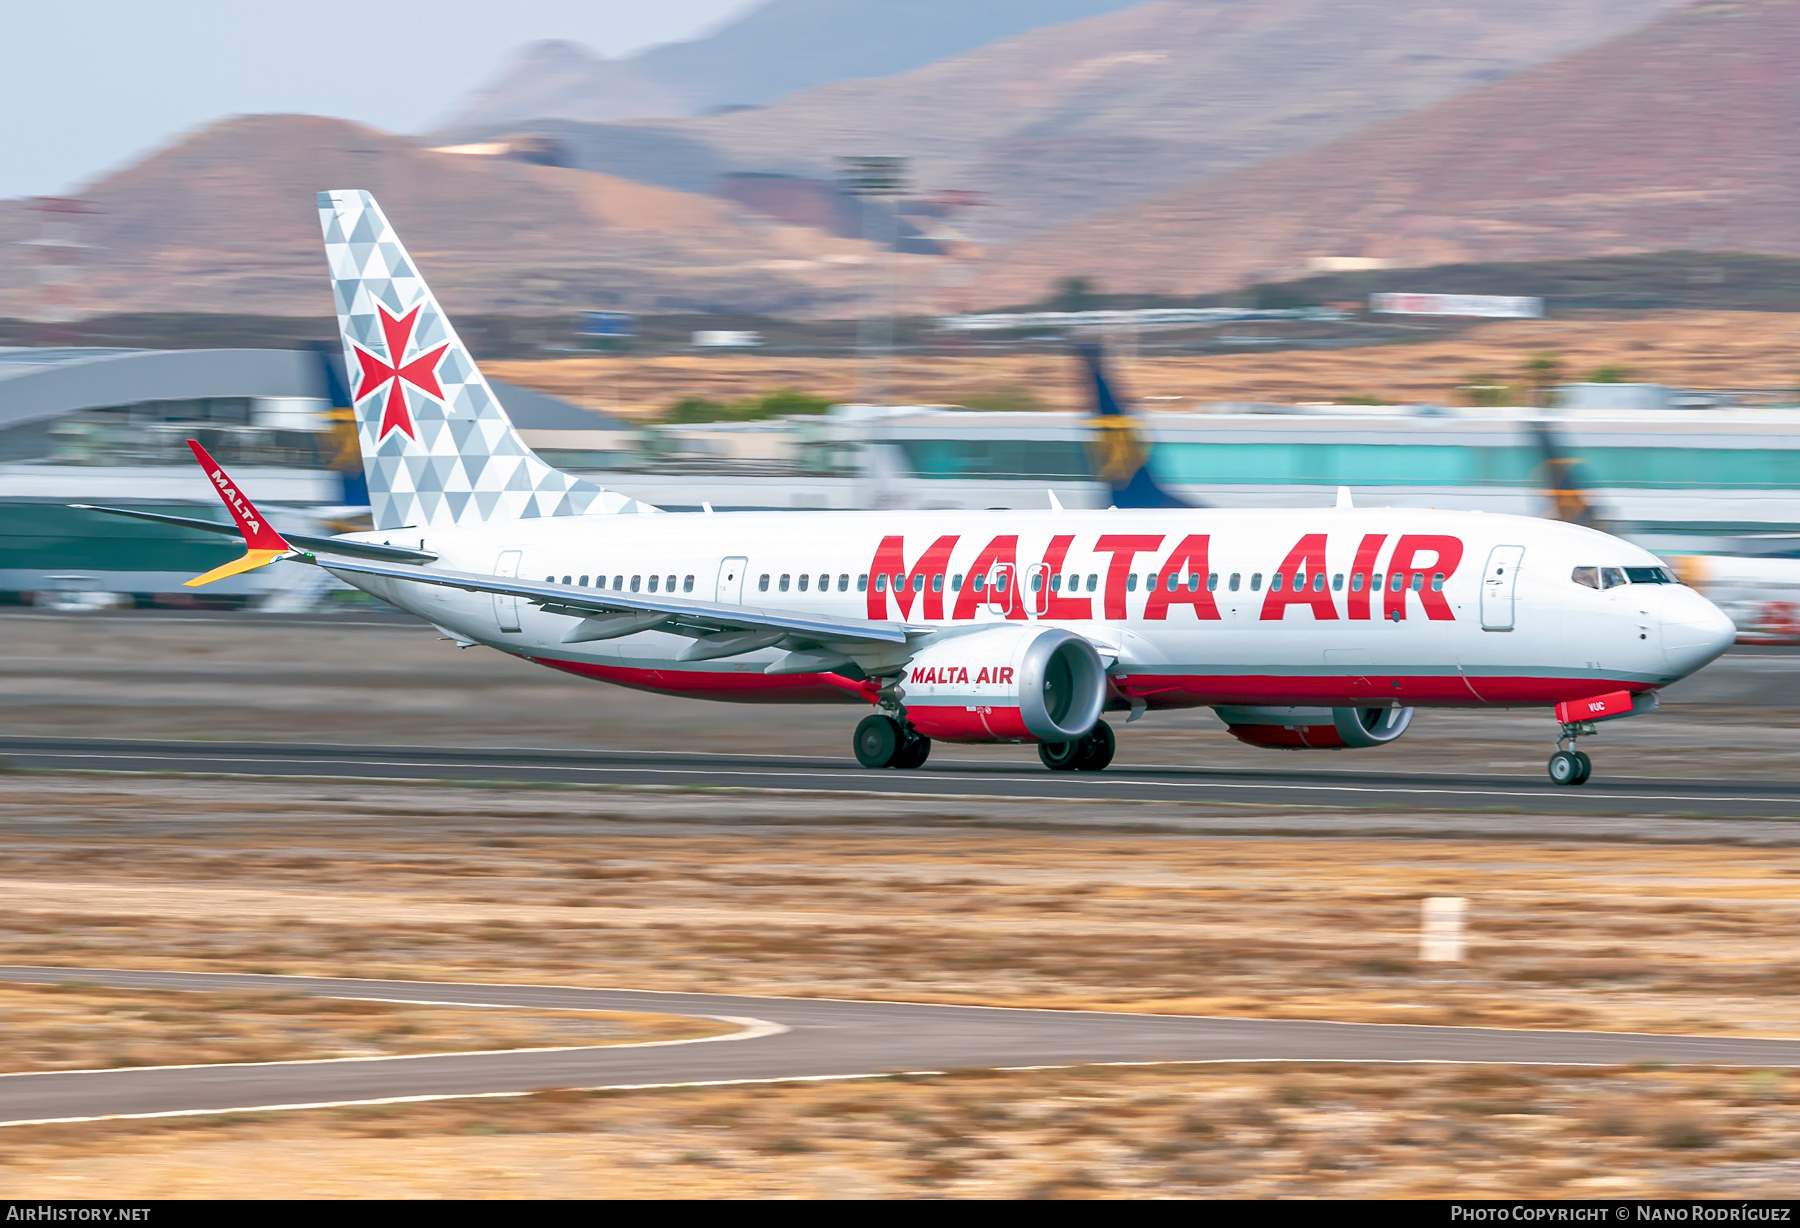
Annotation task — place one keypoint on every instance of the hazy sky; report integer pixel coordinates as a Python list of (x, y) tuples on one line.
[(87, 85)]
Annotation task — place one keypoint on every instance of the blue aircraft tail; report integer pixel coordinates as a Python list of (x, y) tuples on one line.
[(346, 456), (1119, 456)]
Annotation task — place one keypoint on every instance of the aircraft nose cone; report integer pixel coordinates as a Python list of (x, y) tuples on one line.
[(1694, 631)]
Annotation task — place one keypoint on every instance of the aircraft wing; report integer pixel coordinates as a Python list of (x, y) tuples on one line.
[(682, 616), (313, 545)]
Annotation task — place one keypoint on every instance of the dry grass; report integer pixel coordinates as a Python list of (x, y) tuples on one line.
[(86, 1027), (716, 892), (1218, 1132), (581, 887), (1706, 349)]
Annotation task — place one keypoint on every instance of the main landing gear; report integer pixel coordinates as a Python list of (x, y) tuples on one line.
[(881, 741), (1089, 754), (1569, 766)]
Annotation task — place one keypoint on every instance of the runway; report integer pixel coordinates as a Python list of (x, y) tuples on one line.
[(944, 776), (782, 1039)]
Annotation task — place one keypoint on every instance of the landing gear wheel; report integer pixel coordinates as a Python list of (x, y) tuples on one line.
[(1061, 756), (1587, 768), (1096, 749), (877, 740), (914, 750), (1565, 768)]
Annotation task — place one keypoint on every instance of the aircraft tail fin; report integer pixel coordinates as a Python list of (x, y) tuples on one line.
[(437, 446), (262, 544), (1120, 458), (1565, 479)]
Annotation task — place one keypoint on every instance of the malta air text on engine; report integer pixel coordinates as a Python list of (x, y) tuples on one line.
[(1415, 567), (958, 675)]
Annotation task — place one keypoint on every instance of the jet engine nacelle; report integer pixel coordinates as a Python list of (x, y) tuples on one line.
[(1006, 684), (1316, 728)]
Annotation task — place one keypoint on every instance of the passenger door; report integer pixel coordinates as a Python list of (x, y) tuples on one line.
[(506, 609), (1497, 587), (730, 588)]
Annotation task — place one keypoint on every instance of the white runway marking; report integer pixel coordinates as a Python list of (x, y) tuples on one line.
[(864, 781)]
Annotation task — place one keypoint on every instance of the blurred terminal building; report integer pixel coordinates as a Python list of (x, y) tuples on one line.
[(1683, 474)]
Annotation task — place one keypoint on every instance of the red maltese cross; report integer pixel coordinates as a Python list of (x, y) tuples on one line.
[(421, 373)]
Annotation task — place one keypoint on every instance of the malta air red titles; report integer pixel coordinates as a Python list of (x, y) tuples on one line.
[(1303, 628)]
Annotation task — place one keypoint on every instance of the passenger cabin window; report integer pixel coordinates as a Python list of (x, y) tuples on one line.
[(1437, 581), (618, 581), (1056, 584), (687, 584), (1396, 582), (565, 579), (1337, 583), (978, 583), (956, 583), (1235, 576), (1037, 581), (1356, 582), (804, 581), (1275, 582), (1256, 582), (1612, 577), (1000, 582), (762, 583), (881, 583), (1131, 583), (653, 580), (635, 580), (919, 582), (844, 583), (1212, 582), (825, 584), (782, 584), (581, 581), (937, 583), (669, 585), (862, 583), (1418, 581)]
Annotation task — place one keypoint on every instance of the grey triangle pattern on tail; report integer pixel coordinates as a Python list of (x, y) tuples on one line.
[(440, 451)]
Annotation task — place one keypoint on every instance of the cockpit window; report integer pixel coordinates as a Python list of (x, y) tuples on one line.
[(1613, 577)]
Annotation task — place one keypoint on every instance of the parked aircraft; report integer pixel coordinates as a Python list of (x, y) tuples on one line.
[(1759, 593), (1303, 629)]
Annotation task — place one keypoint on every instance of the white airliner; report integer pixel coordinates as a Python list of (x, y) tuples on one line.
[(1302, 629)]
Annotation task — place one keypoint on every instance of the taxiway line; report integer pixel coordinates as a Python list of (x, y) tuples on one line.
[(823, 1038)]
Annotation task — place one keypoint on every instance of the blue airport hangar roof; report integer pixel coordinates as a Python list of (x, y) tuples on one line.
[(39, 384)]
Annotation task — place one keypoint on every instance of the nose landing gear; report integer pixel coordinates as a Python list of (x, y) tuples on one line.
[(1569, 766)]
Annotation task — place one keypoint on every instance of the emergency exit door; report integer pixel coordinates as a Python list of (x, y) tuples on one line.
[(1497, 585), (506, 609), (730, 589)]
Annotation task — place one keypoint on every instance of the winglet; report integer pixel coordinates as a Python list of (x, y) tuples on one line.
[(262, 544)]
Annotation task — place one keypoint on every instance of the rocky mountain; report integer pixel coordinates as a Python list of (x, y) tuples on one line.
[(776, 49), (226, 221), (1677, 136), (1066, 120)]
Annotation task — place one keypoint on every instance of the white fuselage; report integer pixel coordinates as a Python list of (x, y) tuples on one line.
[(1473, 610)]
